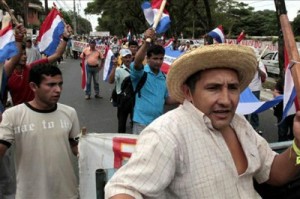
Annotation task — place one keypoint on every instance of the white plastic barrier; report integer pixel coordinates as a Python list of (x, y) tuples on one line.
[(108, 151)]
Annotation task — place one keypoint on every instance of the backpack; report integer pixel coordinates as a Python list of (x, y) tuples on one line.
[(127, 96)]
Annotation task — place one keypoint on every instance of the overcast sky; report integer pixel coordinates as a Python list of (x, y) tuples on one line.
[(292, 7)]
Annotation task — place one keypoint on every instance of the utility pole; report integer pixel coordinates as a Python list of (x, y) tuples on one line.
[(74, 19), (46, 7)]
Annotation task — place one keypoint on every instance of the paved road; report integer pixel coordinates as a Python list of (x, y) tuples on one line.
[(99, 116)]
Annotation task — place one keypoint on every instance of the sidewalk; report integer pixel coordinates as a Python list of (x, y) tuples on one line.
[(266, 94)]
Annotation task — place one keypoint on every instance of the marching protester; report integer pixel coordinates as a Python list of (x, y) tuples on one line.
[(18, 80), (7, 179), (203, 149), (255, 86), (32, 53), (94, 63), (44, 133), (185, 47), (284, 127), (117, 75), (154, 95)]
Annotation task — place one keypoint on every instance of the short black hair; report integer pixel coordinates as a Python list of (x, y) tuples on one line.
[(132, 43), (36, 72), (155, 50)]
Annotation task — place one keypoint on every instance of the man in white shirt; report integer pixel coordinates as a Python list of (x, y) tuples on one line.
[(203, 149), (255, 86)]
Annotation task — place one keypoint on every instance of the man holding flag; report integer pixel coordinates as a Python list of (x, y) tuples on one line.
[(7, 181), (203, 149)]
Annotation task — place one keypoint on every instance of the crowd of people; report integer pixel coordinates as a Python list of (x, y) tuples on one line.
[(201, 149)]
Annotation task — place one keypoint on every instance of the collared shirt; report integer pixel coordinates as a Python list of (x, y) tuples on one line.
[(120, 74), (180, 155), (150, 105)]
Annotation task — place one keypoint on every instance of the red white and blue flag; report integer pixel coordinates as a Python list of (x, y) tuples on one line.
[(169, 58), (250, 104), (150, 11), (8, 46), (83, 73), (218, 34), (240, 37), (50, 32), (290, 105), (108, 64)]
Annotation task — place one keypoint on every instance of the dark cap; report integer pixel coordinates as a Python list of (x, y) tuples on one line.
[(92, 41)]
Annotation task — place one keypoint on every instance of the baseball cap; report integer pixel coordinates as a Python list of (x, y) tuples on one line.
[(124, 52)]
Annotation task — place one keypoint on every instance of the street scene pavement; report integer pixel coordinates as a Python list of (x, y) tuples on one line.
[(99, 116)]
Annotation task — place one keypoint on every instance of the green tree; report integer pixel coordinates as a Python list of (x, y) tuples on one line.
[(296, 25)]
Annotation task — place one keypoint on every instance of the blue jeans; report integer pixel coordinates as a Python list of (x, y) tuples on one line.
[(92, 73)]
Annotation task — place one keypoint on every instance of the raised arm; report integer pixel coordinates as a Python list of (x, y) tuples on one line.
[(111, 78), (141, 53), (62, 45), (9, 65), (284, 167)]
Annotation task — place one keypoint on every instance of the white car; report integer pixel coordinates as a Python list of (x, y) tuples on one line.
[(270, 60)]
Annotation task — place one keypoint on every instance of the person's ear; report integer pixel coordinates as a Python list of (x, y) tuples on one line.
[(187, 93), (33, 86)]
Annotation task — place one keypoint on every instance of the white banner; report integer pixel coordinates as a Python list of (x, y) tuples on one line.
[(79, 46), (101, 151)]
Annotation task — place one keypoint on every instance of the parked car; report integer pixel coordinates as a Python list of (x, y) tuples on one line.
[(270, 60)]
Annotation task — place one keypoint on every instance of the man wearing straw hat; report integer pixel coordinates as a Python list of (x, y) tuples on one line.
[(203, 149)]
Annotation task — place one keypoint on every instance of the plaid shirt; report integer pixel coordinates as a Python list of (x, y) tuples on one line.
[(180, 155)]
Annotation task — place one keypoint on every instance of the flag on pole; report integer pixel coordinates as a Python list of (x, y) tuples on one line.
[(8, 46), (240, 37), (289, 93), (50, 32), (169, 58), (108, 63), (129, 35), (83, 73), (150, 11), (218, 34)]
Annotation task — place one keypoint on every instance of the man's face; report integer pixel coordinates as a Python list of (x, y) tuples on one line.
[(48, 92), (133, 49), (155, 61), (23, 58), (126, 60), (216, 94), (28, 44), (93, 45)]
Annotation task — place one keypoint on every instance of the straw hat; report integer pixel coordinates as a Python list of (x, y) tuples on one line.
[(237, 57)]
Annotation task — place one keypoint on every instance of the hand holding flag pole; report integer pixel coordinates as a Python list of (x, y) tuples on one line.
[(13, 18), (289, 41), (158, 17)]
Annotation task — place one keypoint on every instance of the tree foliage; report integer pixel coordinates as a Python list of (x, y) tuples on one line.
[(190, 17), (193, 18)]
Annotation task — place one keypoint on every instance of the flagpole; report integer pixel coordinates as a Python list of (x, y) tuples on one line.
[(262, 53), (13, 18), (290, 45), (158, 17)]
